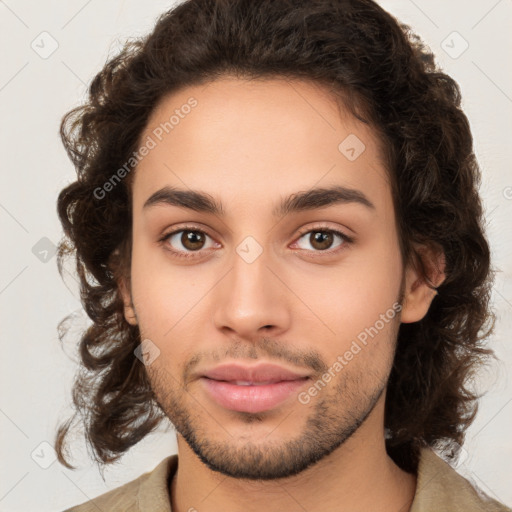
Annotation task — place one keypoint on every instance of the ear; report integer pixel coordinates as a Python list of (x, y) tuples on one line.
[(418, 295), (129, 311)]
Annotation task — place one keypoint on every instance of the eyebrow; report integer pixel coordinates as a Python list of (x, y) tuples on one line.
[(300, 201)]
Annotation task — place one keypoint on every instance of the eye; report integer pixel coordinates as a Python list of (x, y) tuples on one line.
[(191, 239), (322, 239)]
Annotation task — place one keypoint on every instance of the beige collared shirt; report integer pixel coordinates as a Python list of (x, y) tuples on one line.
[(439, 489)]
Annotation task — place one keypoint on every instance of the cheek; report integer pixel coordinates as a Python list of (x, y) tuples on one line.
[(342, 299), (158, 296), (168, 299), (355, 302), (356, 292)]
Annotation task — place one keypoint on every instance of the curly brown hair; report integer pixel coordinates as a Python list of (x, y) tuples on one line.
[(388, 79)]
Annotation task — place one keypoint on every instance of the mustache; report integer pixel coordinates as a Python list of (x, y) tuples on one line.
[(266, 349)]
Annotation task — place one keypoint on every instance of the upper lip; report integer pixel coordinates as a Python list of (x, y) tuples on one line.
[(260, 373)]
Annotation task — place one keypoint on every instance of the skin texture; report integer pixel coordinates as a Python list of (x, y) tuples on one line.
[(248, 145)]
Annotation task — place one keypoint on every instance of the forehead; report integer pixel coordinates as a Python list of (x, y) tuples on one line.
[(254, 141)]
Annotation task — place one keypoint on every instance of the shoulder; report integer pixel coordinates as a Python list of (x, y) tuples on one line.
[(149, 491), (441, 488)]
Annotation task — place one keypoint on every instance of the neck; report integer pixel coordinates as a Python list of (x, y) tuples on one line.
[(356, 477)]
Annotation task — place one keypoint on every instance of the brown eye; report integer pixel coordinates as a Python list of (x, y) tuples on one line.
[(186, 242), (192, 240), (323, 239)]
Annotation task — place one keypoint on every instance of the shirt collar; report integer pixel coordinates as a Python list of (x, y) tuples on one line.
[(439, 487)]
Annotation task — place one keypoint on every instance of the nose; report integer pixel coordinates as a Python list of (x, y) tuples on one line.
[(252, 299)]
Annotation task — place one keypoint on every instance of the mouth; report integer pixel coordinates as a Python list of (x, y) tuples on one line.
[(251, 396)]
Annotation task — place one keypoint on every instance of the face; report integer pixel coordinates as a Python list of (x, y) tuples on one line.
[(314, 287)]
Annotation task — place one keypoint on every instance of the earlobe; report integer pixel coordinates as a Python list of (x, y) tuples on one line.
[(129, 311), (418, 292)]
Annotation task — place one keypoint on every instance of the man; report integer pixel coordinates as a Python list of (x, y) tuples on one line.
[(278, 203)]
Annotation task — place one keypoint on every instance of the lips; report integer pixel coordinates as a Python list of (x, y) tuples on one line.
[(261, 374), (252, 389)]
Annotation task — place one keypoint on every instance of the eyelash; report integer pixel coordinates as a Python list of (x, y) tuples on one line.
[(347, 240)]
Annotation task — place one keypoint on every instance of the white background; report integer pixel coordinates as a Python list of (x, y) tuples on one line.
[(36, 374)]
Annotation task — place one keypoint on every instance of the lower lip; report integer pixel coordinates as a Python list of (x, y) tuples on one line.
[(251, 398)]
